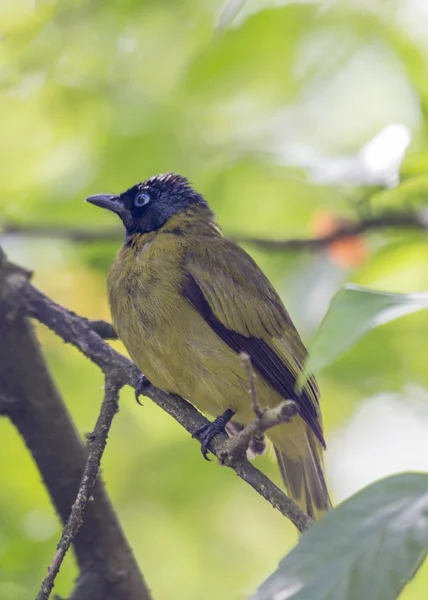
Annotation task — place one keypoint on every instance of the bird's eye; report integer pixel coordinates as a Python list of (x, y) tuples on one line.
[(141, 200)]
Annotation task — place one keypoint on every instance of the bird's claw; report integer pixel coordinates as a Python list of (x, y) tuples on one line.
[(140, 387), (207, 432)]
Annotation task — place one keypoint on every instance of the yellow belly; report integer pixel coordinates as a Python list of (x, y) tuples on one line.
[(181, 354)]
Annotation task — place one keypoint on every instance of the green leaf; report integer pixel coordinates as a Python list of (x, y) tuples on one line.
[(352, 313), (367, 548)]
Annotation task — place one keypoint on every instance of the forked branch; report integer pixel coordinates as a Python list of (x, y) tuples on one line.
[(96, 444)]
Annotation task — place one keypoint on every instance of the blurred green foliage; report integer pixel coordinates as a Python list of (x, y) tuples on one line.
[(353, 312), (99, 95), (376, 542)]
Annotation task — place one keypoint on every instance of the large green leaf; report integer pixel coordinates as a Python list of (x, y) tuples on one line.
[(366, 549), (352, 313)]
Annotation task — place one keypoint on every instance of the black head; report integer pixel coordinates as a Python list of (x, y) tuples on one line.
[(147, 206)]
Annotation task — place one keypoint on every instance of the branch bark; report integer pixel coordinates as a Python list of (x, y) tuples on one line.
[(264, 418), (71, 234), (108, 569), (96, 446), (417, 220), (406, 221)]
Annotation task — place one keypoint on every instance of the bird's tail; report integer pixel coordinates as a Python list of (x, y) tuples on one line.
[(304, 478)]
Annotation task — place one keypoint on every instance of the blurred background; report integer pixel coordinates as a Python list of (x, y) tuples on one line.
[(287, 116)]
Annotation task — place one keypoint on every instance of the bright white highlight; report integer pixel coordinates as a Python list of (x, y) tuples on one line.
[(383, 155)]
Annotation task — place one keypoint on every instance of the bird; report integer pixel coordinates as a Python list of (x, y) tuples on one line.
[(186, 302)]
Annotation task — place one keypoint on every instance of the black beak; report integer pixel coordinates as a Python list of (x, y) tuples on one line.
[(108, 201)]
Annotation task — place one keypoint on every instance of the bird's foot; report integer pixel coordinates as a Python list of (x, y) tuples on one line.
[(257, 445), (207, 432), (141, 386)]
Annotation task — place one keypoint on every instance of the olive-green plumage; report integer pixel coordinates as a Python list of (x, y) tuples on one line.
[(183, 298)]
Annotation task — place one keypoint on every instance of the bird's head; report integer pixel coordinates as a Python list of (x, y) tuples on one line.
[(147, 206)]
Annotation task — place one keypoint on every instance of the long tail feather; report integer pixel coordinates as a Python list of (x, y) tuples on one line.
[(304, 479)]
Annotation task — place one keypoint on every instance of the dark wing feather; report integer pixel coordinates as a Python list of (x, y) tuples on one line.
[(263, 357)]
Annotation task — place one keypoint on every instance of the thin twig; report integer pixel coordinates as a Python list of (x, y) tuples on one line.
[(268, 418), (418, 221), (96, 445), (104, 329), (75, 330), (265, 418), (392, 220), (246, 361), (65, 232)]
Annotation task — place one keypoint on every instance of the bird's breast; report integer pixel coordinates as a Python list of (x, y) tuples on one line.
[(146, 304)]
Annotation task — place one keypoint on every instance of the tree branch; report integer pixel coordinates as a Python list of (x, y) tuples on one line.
[(64, 232), (104, 329), (393, 220), (29, 397), (265, 418), (418, 221), (96, 445), (268, 418), (75, 330)]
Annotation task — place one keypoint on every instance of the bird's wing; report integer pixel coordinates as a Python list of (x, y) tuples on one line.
[(234, 297)]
